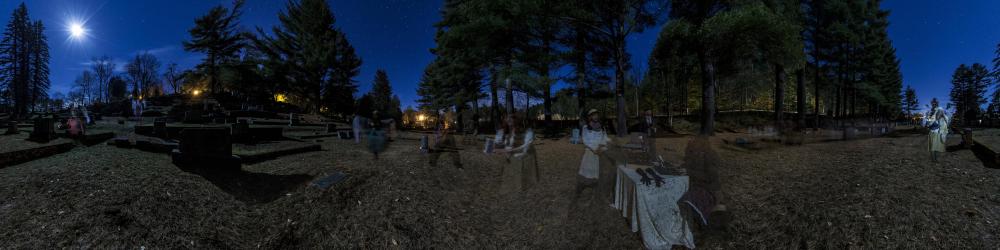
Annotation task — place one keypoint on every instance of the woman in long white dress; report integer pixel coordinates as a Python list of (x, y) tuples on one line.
[(595, 141), (937, 122)]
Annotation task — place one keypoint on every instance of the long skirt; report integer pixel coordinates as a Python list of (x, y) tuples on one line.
[(936, 141), (590, 165)]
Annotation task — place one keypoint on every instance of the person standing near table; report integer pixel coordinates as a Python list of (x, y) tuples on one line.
[(595, 141), (937, 122)]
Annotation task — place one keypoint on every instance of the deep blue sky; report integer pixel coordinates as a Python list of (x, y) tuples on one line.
[(931, 37)]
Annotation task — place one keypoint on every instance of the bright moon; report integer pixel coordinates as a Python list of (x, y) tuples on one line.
[(76, 30)]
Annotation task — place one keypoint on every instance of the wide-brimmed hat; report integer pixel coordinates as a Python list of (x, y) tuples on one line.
[(591, 112)]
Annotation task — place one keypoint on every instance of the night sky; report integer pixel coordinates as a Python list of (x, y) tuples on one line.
[(931, 37)]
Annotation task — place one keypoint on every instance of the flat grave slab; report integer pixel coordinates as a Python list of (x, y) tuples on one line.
[(249, 154), (328, 181), (25, 154)]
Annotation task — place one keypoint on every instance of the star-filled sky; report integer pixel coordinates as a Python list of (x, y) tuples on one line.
[(931, 37)]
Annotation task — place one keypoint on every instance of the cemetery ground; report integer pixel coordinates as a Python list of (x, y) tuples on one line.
[(867, 193)]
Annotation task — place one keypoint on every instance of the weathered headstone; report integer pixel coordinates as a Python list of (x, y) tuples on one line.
[(11, 128), (207, 149), (241, 131), (850, 133), (346, 135), (193, 116), (292, 119), (967, 138), (160, 128), (326, 182), (575, 137), (331, 128), (43, 131)]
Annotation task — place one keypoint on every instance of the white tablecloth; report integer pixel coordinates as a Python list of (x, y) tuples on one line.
[(653, 210)]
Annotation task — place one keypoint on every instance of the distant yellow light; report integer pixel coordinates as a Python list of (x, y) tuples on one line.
[(196, 92), (421, 118), (280, 98)]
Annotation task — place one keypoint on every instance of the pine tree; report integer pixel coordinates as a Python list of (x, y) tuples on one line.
[(910, 102), (613, 22), (15, 60), (381, 93), (314, 56), (969, 85), (39, 62), (216, 35)]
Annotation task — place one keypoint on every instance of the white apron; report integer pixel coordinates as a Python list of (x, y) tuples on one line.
[(591, 162)]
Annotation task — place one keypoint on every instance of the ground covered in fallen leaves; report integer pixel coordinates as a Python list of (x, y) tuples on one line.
[(870, 193)]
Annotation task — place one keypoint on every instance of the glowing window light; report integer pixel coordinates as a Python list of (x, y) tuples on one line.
[(280, 98)]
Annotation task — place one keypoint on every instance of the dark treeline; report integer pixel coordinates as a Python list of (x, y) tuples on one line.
[(305, 60), (24, 64), (832, 58), (970, 85)]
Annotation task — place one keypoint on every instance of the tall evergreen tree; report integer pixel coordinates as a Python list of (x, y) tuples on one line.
[(969, 85), (15, 60), (39, 62), (215, 34), (613, 22), (314, 56), (381, 93), (910, 102)]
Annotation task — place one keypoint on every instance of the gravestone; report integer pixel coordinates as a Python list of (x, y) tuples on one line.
[(207, 149), (160, 128), (967, 142), (424, 144), (241, 131), (292, 119), (346, 135), (850, 133), (193, 116), (575, 139), (331, 128), (43, 131), (11, 128), (326, 182)]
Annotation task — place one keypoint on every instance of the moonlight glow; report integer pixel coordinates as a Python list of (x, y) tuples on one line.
[(77, 31)]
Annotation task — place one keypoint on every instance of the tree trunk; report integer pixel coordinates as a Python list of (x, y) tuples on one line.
[(621, 126), (494, 102), (460, 126), (779, 98), (475, 115), (708, 95), (547, 105), (581, 95), (509, 97), (800, 97)]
